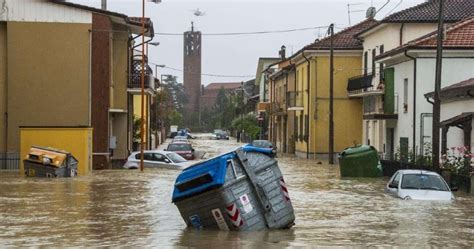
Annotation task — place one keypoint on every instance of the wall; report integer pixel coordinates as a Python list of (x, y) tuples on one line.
[(119, 84), (425, 83), (347, 112), (56, 59), (77, 141), (301, 86), (43, 11), (3, 86), (452, 109)]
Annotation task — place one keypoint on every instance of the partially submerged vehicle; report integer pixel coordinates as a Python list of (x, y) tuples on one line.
[(411, 184)]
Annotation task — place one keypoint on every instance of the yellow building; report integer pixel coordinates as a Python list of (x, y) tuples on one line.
[(311, 93)]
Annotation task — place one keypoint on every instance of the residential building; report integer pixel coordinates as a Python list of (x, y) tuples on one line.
[(457, 115), (261, 82), (77, 59), (411, 69), (374, 85), (210, 92), (282, 99), (308, 98)]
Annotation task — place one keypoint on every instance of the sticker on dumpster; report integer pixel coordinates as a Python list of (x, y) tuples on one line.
[(284, 189), (234, 215), (246, 206), (219, 219), (195, 221)]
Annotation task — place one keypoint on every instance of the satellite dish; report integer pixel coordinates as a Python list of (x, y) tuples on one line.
[(371, 12)]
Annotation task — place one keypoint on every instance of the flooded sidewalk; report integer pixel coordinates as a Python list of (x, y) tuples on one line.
[(131, 208)]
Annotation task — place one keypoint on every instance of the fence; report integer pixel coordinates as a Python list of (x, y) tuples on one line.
[(9, 161)]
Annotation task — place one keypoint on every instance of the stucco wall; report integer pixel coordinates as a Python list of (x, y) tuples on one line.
[(119, 69), (3, 86), (48, 65), (454, 71), (452, 109)]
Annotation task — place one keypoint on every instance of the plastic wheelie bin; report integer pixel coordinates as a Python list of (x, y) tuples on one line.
[(50, 162), (360, 161)]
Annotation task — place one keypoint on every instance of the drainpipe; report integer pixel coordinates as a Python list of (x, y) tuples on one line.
[(308, 67), (414, 103), (401, 34)]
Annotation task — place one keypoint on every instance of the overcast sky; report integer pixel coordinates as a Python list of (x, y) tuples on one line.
[(238, 55)]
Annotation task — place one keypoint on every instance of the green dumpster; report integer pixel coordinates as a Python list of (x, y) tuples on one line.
[(360, 161)]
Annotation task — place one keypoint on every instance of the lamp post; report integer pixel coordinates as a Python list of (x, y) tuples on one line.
[(156, 70), (142, 86)]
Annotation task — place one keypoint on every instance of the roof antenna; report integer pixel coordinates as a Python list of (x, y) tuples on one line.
[(192, 26)]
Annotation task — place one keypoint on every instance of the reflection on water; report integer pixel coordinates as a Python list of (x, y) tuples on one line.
[(129, 208)]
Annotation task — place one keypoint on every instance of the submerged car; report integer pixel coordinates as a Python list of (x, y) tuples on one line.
[(410, 184), (184, 149), (264, 144), (222, 135), (156, 159), (180, 138)]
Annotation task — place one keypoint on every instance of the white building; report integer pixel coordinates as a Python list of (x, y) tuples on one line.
[(376, 84), (413, 66)]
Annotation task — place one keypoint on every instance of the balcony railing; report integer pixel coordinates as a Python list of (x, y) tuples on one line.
[(135, 79), (362, 86), (295, 100)]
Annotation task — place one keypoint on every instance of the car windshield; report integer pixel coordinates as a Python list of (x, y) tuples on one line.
[(423, 181), (179, 147), (176, 158), (262, 143)]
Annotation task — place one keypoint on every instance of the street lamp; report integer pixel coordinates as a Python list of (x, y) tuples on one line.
[(154, 43), (156, 69), (142, 86)]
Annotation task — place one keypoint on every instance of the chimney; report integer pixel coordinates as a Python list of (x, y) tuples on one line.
[(282, 52), (104, 4)]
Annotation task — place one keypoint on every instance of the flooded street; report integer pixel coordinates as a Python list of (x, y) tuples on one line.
[(130, 208)]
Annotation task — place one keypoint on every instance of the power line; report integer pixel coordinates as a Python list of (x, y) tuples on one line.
[(211, 75), (248, 33)]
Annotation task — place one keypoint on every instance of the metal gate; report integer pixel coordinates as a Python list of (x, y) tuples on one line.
[(9, 161)]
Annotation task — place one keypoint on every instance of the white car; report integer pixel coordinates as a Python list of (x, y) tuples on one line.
[(410, 184), (156, 159)]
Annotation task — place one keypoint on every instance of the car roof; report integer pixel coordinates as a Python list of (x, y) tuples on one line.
[(150, 151), (180, 142), (417, 171)]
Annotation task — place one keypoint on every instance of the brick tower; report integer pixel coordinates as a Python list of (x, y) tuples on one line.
[(192, 69)]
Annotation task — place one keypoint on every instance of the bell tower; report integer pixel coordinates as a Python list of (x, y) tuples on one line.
[(192, 69)]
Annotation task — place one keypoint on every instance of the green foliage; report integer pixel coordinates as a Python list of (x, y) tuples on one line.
[(247, 123), (176, 118), (136, 128)]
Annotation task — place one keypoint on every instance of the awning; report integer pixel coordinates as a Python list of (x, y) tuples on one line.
[(458, 120)]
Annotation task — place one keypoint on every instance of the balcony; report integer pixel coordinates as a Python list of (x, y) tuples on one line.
[(295, 101), (134, 84), (362, 86)]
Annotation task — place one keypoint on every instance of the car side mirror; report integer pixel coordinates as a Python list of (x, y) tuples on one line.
[(165, 149), (192, 150), (454, 189), (392, 186), (167, 160)]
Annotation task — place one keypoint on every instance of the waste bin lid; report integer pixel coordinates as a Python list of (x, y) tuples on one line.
[(250, 148), (202, 176), (356, 150), (48, 156)]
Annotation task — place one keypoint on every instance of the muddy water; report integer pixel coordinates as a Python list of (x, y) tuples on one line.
[(130, 208)]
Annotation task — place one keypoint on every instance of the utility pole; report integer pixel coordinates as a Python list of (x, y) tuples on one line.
[(142, 92), (331, 96), (436, 98)]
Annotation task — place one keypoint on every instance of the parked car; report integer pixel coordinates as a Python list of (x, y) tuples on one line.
[(410, 184), (264, 144), (180, 138), (222, 135), (156, 159), (184, 149)]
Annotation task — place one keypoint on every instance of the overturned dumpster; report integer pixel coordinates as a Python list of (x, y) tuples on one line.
[(50, 162), (360, 161), (242, 190)]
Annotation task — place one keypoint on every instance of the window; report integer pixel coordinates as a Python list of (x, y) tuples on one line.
[(395, 181), (373, 62), (423, 181), (405, 95), (146, 156), (301, 127), (158, 157), (366, 61), (306, 132), (381, 67)]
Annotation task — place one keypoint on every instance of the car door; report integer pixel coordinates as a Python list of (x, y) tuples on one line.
[(393, 184), (160, 160)]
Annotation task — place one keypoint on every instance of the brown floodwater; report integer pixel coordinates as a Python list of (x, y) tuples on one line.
[(131, 208)]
